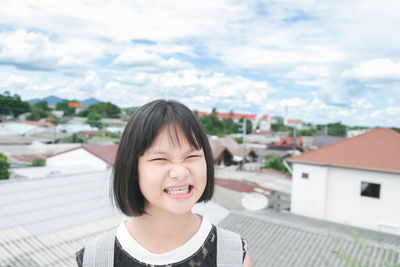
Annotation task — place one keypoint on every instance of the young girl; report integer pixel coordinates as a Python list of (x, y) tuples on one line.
[(163, 167)]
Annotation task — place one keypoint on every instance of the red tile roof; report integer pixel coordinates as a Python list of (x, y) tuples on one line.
[(223, 115), (37, 123), (28, 158), (239, 185), (294, 121), (201, 113), (378, 149), (286, 142), (106, 153)]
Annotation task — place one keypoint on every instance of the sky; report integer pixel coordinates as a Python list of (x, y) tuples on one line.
[(326, 61)]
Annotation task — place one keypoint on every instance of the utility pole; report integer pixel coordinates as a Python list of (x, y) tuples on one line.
[(294, 140), (243, 144)]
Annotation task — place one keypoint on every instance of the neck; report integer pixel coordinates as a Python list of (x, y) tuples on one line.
[(160, 233)]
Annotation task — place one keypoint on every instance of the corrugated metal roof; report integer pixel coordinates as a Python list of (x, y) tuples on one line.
[(46, 205), (275, 242), (19, 248)]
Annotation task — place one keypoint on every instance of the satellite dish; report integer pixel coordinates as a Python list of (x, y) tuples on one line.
[(254, 201)]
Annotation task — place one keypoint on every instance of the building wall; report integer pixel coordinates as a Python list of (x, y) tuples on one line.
[(346, 205), (77, 157), (334, 194), (308, 195)]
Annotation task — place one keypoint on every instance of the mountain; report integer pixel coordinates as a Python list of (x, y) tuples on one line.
[(53, 100), (88, 102)]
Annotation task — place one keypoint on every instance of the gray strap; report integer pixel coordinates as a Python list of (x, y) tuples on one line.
[(229, 248), (99, 252)]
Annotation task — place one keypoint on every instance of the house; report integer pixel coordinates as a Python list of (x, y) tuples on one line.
[(228, 151), (320, 141), (8, 137), (75, 128), (355, 181), (295, 123), (263, 122), (48, 135), (352, 133), (93, 156), (286, 143)]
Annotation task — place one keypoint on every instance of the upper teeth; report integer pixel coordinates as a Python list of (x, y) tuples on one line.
[(179, 190)]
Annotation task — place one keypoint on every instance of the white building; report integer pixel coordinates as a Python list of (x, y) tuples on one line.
[(355, 181), (94, 157)]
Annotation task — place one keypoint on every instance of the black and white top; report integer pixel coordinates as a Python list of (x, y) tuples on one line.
[(200, 250)]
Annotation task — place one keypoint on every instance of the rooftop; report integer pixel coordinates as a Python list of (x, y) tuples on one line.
[(378, 149), (285, 239), (44, 221)]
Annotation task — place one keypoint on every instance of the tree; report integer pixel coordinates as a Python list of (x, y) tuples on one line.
[(12, 105), (63, 105), (37, 162), (212, 124), (249, 127), (276, 163), (76, 139), (337, 129), (4, 165), (281, 127), (39, 110), (93, 119), (105, 110)]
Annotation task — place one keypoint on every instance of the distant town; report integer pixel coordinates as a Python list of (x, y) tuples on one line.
[(272, 172)]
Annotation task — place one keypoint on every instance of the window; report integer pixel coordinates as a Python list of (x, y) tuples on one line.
[(370, 189), (304, 175)]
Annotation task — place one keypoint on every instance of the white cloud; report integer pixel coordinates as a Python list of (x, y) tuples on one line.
[(36, 51), (15, 80), (375, 69), (227, 54)]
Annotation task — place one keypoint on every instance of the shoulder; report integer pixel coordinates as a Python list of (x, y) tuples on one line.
[(101, 247), (230, 245)]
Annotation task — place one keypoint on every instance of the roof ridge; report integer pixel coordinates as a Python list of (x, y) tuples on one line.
[(345, 139)]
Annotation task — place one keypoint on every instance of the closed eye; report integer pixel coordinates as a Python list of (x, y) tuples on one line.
[(193, 156), (158, 159)]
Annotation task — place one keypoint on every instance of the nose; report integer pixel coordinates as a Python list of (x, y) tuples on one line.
[(178, 171)]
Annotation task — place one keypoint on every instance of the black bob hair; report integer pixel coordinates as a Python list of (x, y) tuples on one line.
[(140, 131)]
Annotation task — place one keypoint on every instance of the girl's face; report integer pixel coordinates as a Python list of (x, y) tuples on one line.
[(172, 175)]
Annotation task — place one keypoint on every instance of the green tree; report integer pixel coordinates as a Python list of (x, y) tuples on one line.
[(12, 105), (93, 119), (281, 127), (4, 165), (105, 110), (212, 124), (249, 127), (276, 164), (39, 110), (307, 132), (37, 162), (337, 129), (76, 139), (63, 105)]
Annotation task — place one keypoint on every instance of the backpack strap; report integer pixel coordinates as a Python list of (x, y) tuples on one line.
[(99, 252), (229, 249)]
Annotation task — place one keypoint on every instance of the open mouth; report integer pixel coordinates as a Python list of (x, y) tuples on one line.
[(179, 190)]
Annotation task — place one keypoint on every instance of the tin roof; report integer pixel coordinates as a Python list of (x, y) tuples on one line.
[(276, 239)]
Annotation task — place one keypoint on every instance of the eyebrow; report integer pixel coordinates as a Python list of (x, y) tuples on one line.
[(151, 152)]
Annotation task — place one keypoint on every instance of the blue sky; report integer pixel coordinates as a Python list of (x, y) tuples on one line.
[(327, 61)]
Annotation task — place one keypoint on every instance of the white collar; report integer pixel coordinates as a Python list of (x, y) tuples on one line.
[(135, 250)]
